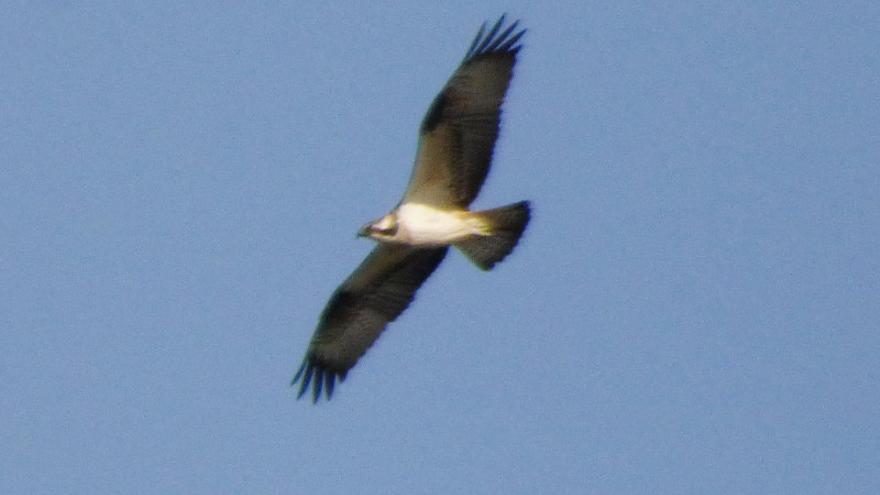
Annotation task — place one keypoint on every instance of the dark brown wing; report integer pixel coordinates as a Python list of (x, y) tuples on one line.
[(375, 294), (459, 131)]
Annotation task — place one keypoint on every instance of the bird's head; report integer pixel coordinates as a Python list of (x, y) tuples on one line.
[(381, 230)]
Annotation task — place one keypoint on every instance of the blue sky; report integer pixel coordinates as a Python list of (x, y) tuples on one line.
[(694, 308)]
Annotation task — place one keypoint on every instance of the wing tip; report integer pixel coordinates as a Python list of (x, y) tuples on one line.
[(492, 42), (321, 378)]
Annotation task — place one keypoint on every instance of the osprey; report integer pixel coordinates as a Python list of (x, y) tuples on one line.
[(456, 140)]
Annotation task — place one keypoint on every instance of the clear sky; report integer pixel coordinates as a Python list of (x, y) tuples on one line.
[(695, 307)]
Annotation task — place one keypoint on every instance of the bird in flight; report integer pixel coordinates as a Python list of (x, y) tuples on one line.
[(456, 140)]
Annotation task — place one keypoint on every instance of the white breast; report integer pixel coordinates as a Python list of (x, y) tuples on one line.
[(422, 224)]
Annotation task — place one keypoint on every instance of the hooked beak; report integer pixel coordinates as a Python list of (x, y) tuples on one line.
[(365, 231)]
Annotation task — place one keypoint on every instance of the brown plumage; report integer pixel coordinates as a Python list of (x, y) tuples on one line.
[(458, 133)]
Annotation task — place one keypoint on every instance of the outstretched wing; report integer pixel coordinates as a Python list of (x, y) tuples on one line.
[(459, 131), (375, 294)]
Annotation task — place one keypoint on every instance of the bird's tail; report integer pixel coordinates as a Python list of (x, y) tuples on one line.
[(500, 229)]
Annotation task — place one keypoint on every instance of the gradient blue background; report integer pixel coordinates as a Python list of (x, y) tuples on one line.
[(694, 309)]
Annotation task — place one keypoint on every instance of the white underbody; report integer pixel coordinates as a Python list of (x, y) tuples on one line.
[(424, 225)]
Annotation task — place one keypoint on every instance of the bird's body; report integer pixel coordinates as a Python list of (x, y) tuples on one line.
[(457, 138), (425, 225)]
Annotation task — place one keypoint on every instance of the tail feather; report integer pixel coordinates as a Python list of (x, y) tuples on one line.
[(503, 228)]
